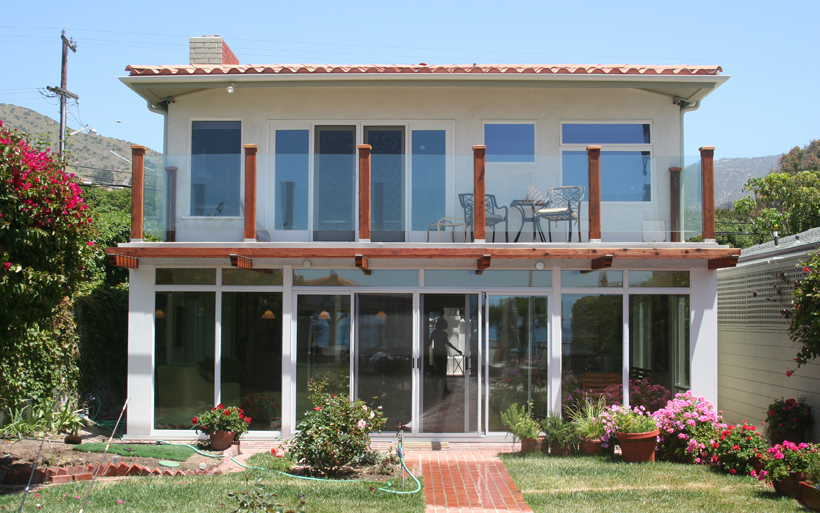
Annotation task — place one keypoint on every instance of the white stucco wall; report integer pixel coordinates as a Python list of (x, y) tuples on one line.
[(141, 299)]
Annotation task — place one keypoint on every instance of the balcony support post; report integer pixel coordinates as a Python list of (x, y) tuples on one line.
[(479, 195), (171, 201), (137, 191), (594, 192), (250, 192), (674, 204), (364, 192), (707, 173)]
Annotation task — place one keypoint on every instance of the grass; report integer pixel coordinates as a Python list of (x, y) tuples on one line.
[(204, 494), (160, 452), (589, 483)]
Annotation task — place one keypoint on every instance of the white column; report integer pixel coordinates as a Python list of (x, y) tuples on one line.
[(703, 335), (141, 307), (288, 353), (556, 344)]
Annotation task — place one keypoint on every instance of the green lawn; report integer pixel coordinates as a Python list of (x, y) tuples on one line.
[(198, 494), (168, 452), (588, 483)]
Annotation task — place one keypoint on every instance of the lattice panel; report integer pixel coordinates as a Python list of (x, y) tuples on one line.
[(757, 298)]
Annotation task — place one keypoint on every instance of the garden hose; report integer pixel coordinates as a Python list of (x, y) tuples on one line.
[(308, 478)]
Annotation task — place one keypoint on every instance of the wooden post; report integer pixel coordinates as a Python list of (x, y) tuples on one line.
[(250, 192), (594, 192), (479, 196), (364, 192), (171, 202), (707, 173), (137, 192), (674, 204)]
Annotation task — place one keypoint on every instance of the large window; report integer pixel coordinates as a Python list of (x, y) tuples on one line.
[(510, 142), (216, 148), (292, 175)]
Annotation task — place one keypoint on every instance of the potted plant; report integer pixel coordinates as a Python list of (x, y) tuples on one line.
[(559, 436), (739, 450), (589, 428), (223, 425), (636, 432), (788, 419), (520, 424), (810, 489), (786, 464)]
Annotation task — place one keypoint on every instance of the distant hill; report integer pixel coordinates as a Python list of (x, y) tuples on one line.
[(91, 156), (731, 174)]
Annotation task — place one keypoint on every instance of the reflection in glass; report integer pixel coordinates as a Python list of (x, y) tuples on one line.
[(659, 348), (292, 163), (658, 278), (334, 183), (510, 142), (518, 355), (605, 133), (450, 363), (186, 277), (429, 169), (252, 356), (354, 278), (384, 346), (184, 352), (591, 347), (488, 278), (215, 168), (322, 346), (250, 277), (592, 278), (625, 175), (386, 182)]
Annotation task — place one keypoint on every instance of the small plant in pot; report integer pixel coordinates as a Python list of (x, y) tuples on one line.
[(810, 489), (560, 436), (520, 424), (635, 430), (223, 425), (739, 450), (586, 418), (788, 419), (786, 464)]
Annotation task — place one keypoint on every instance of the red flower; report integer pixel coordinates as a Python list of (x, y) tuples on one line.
[(317, 408), (213, 409), (735, 448), (194, 420), (220, 406), (7, 265), (806, 270), (227, 412), (248, 420), (715, 445), (732, 471), (242, 416), (788, 375)]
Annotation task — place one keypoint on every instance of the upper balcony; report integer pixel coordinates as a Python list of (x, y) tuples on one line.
[(425, 197)]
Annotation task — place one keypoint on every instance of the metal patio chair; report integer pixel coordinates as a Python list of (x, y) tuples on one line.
[(491, 215), (563, 204)]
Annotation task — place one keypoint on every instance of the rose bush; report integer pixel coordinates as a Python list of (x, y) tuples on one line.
[(736, 446), (788, 416), (222, 418), (804, 317), (689, 426)]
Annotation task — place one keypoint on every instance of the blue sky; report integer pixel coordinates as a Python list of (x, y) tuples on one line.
[(768, 48)]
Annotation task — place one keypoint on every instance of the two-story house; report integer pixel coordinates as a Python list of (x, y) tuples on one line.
[(441, 240)]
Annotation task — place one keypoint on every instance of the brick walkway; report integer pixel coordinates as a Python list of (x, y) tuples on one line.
[(458, 477)]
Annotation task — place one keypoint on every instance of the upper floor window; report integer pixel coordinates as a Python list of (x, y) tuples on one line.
[(605, 133), (216, 148), (510, 142)]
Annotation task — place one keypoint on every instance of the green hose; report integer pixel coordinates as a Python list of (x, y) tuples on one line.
[(384, 489)]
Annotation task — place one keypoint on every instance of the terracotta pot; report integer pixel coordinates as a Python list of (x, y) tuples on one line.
[(73, 439), (810, 496), (638, 447), (756, 464), (557, 449), (530, 445), (591, 447), (221, 440), (791, 485)]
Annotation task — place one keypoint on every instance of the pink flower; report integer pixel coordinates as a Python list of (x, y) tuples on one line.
[(806, 270), (91, 243), (361, 424)]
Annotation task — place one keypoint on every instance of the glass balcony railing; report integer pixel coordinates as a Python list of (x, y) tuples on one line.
[(644, 198)]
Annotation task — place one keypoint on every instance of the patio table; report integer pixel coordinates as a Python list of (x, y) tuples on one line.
[(525, 207)]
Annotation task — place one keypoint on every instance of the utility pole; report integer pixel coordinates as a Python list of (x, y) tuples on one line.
[(63, 91)]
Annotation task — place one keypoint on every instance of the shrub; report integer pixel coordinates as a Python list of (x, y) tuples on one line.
[(788, 457), (519, 422), (335, 432), (689, 426), (620, 419), (736, 446), (804, 318), (788, 415), (557, 431), (222, 418)]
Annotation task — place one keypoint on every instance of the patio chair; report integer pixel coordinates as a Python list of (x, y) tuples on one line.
[(491, 213), (599, 381), (563, 204)]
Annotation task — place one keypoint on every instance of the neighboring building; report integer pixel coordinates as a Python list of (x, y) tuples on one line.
[(755, 350), (295, 203)]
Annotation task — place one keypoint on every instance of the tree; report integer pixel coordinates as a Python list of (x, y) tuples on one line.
[(45, 248), (804, 317)]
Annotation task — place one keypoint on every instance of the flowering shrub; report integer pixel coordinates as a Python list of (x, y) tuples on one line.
[(641, 393), (689, 426), (788, 457), (335, 432), (620, 419), (736, 446), (788, 415), (221, 418), (804, 317)]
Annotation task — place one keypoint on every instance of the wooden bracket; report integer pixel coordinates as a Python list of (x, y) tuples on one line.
[(361, 263), (123, 261), (723, 262), (241, 262), (602, 262), (483, 262)]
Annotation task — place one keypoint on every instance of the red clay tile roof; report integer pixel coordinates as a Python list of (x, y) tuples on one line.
[(318, 69)]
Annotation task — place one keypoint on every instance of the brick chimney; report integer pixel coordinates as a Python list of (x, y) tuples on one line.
[(211, 50)]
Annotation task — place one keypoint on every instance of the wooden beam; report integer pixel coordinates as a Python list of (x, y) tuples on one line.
[(123, 261), (674, 204), (250, 192), (707, 172), (361, 263), (241, 261), (479, 195), (171, 202), (577, 253), (594, 192), (602, 262), (483, 262), (364, 192), (723, 262), (137, 192)]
